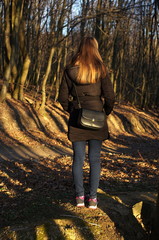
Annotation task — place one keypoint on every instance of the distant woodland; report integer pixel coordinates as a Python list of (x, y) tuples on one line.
[(38, 37)]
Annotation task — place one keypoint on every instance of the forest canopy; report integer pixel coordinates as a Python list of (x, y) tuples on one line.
[(38, 38)]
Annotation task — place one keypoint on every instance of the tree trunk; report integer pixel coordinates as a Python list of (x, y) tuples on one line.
[(3, 92), (98, 21), (1, 42), (84, 10), (24, 77), (43, 101), (8, 66), (7, 29), (58, 79)]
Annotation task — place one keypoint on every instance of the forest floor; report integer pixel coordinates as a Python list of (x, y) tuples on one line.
[(36, 188)]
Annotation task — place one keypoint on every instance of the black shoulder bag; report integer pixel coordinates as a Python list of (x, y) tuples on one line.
[(89, 119)]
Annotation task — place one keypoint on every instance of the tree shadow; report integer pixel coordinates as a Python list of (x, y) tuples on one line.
[(134, 146), (59, 117), (33, 192), (37, 188), (132, 121), (121, 214), (132, 169), (26, 131)]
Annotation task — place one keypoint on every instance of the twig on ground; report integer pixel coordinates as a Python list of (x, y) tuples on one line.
[(142, 157)]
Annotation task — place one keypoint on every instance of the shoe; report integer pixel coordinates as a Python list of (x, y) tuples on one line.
[(92, 203), (80, 201)]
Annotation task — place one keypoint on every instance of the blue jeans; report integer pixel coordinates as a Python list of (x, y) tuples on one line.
[(79, 151)]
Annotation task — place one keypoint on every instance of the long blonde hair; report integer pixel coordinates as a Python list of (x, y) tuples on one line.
[(88, 58)]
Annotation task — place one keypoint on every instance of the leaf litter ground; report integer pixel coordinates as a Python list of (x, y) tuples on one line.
[(37, 194)]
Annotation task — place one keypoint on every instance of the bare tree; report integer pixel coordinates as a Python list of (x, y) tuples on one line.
[(34, 39)]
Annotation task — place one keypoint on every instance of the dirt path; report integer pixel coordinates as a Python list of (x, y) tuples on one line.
[(37, 196)]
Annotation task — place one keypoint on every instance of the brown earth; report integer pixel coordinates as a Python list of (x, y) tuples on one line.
[(37, 195)]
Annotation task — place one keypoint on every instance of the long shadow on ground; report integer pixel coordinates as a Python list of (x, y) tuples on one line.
[(35, 189)]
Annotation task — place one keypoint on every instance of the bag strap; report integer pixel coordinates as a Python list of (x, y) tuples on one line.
[(78, 101)]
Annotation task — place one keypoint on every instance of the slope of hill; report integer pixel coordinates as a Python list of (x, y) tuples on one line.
[(35, 170)]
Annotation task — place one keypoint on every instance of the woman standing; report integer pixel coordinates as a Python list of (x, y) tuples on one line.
[(92, 84)]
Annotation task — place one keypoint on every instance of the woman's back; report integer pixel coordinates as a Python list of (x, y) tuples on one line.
[(88, 93), (88, 75)]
